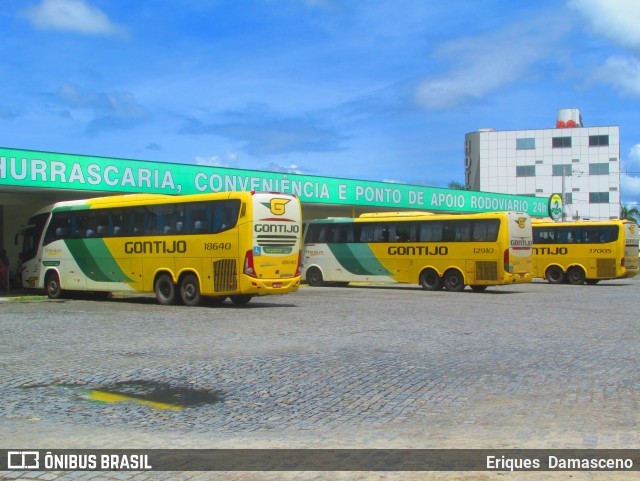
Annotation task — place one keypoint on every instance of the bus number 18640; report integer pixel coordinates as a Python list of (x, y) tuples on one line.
[(217, 246)]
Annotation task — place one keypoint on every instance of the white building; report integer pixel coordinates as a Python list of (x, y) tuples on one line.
[(580, 163)]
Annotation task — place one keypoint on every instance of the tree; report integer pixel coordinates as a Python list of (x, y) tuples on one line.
[(630, 213), (454, 184)]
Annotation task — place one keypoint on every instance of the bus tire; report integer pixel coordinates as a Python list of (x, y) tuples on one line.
[(453, 280), (576, 275), (52, 285), (430, 280), (314, 277), (190, 290), (554, 275), (478, 287), (241, 299), (165, 290)]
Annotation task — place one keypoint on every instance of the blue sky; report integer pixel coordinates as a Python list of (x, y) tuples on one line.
[(376, 90)]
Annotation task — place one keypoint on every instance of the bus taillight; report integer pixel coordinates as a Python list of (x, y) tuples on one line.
[(506, 261), (248, 264), (297, 274)]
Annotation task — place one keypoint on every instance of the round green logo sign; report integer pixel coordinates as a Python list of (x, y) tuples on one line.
[(555, 207)]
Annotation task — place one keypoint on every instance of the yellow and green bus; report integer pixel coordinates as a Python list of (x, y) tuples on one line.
[(584, 251), (433, 250), (219, 245)]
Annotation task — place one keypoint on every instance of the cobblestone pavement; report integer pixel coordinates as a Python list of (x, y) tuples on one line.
[(526, 366)]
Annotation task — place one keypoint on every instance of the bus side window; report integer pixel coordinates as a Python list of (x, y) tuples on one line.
[(431, 231), (225, 215), (380, 233), (344, 233), (313, 234), (59, 228), (403, 232), (135, 221), (367, 233), (198, 218)]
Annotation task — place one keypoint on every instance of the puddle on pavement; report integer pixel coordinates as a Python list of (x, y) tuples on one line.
[(153, 394), (148, 393)]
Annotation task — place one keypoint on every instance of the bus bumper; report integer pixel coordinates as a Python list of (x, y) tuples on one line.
[(518, 278), (263, 287)]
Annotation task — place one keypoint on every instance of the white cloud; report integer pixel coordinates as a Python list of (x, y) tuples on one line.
[(616, 20), (287, 169), (630, 188), (483, 64), (216, 161), (623, 73), (72, 16), (634, 155)]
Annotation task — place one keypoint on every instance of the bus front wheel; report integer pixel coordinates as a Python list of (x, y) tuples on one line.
[(52, 285), (554, 275), (241, 299), (165, 290), (190, 290), (453, 281), (314, 277), (576, 276), (430, 280)]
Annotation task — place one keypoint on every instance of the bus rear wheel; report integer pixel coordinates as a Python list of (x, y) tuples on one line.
[(554, 275), (165, 290), (241, 299), (314, 277), (52, 285), (190, 290), (430, 280), (453, 280), (576, 276)]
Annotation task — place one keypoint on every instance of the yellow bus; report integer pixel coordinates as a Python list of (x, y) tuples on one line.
[(231, 244), (433, 250), (584, 251)]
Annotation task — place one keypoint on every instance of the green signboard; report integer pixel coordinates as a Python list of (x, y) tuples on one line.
[(25, 168)]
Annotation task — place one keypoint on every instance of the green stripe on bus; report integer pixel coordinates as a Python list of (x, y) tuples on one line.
[(95, 260), (358, 259)]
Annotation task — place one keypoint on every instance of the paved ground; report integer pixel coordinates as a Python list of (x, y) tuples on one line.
[(527, 366)]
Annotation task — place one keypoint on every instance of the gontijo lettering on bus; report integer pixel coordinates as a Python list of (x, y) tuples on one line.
[(89, 173)]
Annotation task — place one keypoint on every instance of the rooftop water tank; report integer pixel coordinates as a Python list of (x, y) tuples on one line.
[(569, 118)]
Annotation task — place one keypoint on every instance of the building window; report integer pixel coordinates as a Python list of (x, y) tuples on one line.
[(526, 144), (613, 159), (599, 197), (599, 169), (525, 171), (598, 140), (568, 198), (561, 142), (562, 169)]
